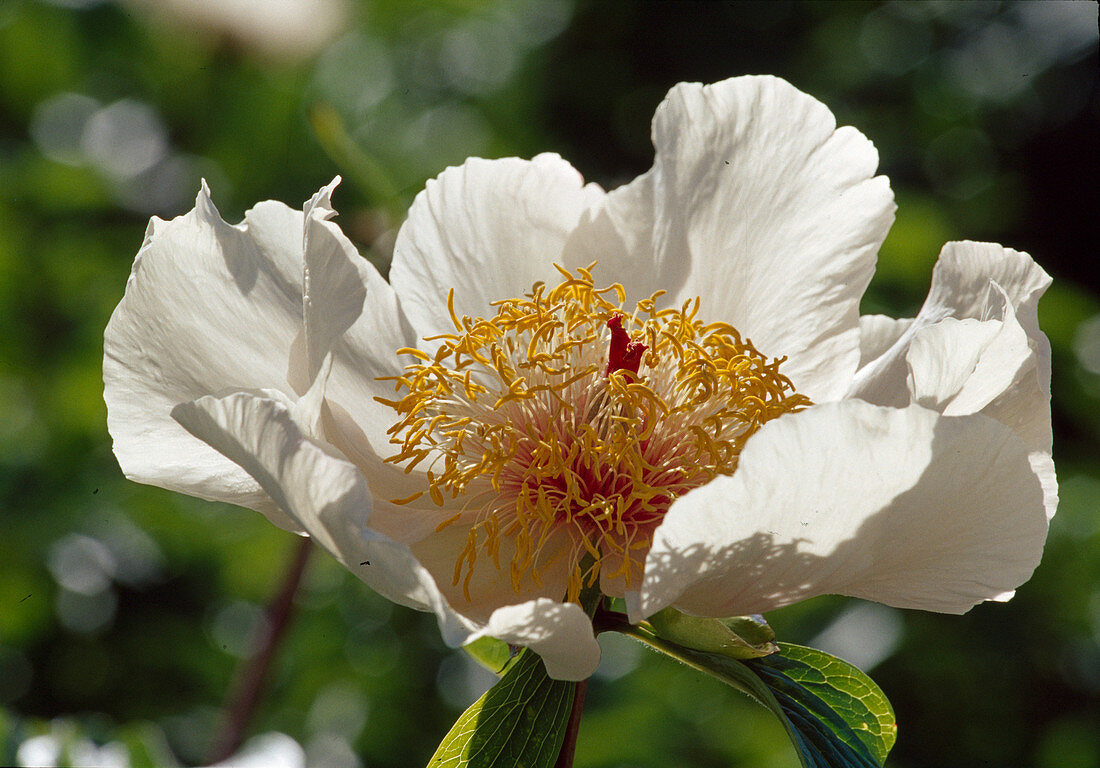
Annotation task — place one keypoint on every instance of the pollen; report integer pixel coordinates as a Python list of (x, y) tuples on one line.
[(564, 426)]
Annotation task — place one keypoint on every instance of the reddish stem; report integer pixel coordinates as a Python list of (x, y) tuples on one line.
[(251, 677), (569, 745)]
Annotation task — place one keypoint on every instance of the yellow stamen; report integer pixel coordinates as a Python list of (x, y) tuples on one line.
[(556, 459)]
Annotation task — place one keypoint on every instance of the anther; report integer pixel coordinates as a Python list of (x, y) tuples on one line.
[(519, 442)]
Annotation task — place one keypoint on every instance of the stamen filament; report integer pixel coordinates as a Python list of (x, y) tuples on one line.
[(567, 435)]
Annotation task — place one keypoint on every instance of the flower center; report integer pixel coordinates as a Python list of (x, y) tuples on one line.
[(561, 431)]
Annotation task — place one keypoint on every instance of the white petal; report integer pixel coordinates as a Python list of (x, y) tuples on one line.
[(977, 280), (961, 282), (489, 229), (961, 366), (970, 276), (1042, 464), (877, 333), (967, 282), (882, 344), (943, 358), (761, 206), (976, 347), (208, 307), (560, 633), (990, 367), (901, 506), (324, 494), (1025, 409), (329, 498), (333, 290), (352, 315), (407, 522), (490, 586)]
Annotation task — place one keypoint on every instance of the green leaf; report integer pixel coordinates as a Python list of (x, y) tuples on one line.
[(837, 697), (519, 722), (833, 713), (739, 637), (490, 653)]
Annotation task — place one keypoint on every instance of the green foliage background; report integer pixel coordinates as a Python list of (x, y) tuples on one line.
[(126, 609)]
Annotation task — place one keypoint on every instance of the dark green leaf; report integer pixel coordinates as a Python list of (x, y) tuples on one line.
[(835, 695), (833, 713), (519, 722)]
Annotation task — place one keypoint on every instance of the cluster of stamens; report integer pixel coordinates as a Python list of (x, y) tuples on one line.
[(552, 419)]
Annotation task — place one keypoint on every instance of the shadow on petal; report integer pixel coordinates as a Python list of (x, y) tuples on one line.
[(970, 527)]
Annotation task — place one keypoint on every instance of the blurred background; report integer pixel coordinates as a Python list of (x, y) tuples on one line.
[(125, 611)]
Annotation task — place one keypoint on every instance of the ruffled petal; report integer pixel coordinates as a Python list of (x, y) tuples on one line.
[(334, 279), (212, 308), (208, 307), (970, 281), (975, 347), (489, 229), (330, 499), (961, 366), (761, 206), (961, 283), (352, 316), (990, 367), (880, 342), (877, 333), (901, 506), (323, 493)]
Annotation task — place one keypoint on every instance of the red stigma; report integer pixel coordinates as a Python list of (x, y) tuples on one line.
[(625, 355)]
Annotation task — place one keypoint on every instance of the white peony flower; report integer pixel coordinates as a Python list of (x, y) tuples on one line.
[(556, 389)]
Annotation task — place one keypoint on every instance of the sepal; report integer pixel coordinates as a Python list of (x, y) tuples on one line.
[(738, 637), (490, 653)]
